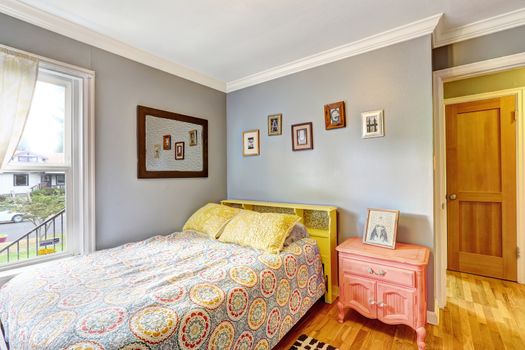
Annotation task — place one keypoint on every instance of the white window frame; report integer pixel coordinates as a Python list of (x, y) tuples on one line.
[(79, 166)]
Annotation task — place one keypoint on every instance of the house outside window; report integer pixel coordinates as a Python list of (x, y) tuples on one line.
[(52, 166), (20, 180)]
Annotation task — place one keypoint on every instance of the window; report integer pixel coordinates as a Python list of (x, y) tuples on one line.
[(20, 180), (55, 155)]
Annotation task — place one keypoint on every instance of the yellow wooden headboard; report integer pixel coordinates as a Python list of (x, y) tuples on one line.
[(321, 222)]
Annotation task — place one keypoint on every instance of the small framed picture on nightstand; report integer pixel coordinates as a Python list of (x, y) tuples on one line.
[(381, 228)]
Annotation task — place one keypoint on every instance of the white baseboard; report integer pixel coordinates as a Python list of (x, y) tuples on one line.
[(433, 316)]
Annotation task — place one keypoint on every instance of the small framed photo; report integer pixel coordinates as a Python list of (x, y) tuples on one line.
[(302, 137), (193, 138), (250, 143), (334, 115), (156, 151), (166, 142), (381, 228), (275, 126), (179, 150), (373, 125)]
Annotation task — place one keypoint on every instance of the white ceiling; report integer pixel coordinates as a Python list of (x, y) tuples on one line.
[(228, 40)]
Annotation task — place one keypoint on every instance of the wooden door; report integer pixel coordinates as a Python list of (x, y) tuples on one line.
[(481, 187), (360, 294)]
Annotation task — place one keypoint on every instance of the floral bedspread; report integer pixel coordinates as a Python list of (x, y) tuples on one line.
[(181, 291)]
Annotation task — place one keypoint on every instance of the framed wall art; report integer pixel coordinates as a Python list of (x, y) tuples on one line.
[(250, 143), (381, 228), (334, 115), (373, 124), (275, 126), (302, 137), (155, 128), (194, 138)]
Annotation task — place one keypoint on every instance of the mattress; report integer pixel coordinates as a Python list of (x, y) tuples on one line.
[(181, 291)]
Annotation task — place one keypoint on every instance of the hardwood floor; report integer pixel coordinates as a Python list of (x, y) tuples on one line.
[(481, 313)]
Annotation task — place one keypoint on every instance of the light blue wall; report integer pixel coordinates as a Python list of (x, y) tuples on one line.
[(343, 169)]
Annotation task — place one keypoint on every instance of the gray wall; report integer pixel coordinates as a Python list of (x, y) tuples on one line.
[(129, 209), (343, 169), (499, 44)]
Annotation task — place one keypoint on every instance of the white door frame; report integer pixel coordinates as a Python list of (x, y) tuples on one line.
[(440, 188)]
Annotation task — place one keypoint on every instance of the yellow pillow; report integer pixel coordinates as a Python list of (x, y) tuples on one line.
[(210, 219), (266, 231)]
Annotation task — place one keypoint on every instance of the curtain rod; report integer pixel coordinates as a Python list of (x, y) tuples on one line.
[(49, 60)]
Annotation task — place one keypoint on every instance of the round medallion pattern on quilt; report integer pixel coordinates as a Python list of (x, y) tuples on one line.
[(77, 299), (63, 284), (101, 321), (283, 292), (153, 324), (243, 260), (268, 282), (321, 289), (85, 345), (312, 286), (262, 345), (318, 266), (257, 313), (273, 323), (302, 276), (215, 274), (295, 302), (305, 305), (243, 275), (194, 329), (286, 325), (309, 254), (273, 261), (136, 346), (244, 342), (294, 249), (169, 294), (34, 305), (102, 283), (208, 295), (290, 266), (237, 303), (48, 329), (216, 254), (222, 337)]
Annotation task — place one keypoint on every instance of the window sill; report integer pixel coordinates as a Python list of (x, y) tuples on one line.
[(10, 271)]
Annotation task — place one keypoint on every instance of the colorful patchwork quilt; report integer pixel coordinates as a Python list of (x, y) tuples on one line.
[(181, 291)]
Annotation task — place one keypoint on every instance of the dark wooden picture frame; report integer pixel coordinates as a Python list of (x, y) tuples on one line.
[(334, 115), (142, 172), (179, 156), (309, 134)]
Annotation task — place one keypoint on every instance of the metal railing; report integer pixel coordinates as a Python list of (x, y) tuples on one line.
[(46, 238)]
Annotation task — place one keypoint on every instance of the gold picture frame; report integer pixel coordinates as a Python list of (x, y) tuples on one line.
[(251, 143), (275, 124)]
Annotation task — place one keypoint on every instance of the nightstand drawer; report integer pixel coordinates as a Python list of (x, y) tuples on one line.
[(378, 272)]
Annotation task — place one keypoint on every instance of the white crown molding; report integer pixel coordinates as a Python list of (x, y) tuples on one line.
[(75, 31), (483, 27), (397, 35)]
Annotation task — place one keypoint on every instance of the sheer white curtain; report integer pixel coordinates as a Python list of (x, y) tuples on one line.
[(18, 75)]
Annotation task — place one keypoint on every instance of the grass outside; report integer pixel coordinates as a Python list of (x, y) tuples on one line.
[(25, 254)]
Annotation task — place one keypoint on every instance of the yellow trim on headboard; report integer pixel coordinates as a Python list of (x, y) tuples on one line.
[(321, 222)]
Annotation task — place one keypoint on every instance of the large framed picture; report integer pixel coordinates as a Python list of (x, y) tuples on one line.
[(250, 143), (373, 125), (334, 115), (381, 228), (275, 126), (302, 137), (161, 140)]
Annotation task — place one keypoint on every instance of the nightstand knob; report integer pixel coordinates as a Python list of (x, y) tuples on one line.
[(381, 273), (371, 301), (370, 271), (381, 304)]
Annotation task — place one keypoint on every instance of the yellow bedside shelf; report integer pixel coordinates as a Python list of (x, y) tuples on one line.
[(321, 222)]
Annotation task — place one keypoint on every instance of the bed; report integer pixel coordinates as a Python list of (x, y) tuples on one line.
[(181, 291)]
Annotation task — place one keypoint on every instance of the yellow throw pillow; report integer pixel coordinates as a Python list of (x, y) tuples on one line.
[(211, 219), (266, 231)]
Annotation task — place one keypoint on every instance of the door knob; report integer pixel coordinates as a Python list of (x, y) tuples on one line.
[(452, 197)]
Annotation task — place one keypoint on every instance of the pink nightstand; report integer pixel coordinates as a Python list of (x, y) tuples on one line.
[(386, 284)]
